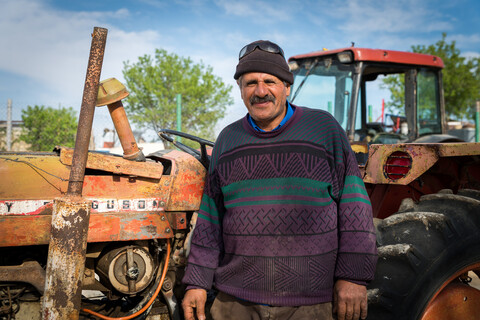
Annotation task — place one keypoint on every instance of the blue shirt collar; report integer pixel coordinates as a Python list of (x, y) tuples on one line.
[(289, 114)]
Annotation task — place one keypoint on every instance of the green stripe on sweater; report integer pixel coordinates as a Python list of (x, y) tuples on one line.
[(276, 186), (354, 184)]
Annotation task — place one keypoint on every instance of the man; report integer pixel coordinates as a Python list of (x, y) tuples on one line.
[(285, 225)]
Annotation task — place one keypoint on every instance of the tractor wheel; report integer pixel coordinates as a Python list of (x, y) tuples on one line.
[(427, 254)]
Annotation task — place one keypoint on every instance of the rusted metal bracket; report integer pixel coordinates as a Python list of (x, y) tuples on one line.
[(116, 164), (28, 272)]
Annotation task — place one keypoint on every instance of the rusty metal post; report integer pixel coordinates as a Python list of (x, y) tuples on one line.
[(90, 92), (71, 215)]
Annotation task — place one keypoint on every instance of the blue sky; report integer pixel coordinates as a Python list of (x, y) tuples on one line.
[(45, 43)]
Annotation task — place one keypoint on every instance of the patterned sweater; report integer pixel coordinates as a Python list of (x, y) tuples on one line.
[(284, 214)]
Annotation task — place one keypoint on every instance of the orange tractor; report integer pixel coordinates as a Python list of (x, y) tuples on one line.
[(424, 187), (140, 213), (424, 184)]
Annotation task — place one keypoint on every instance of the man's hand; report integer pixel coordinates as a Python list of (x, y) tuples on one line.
[(349, 300), (194, 298)]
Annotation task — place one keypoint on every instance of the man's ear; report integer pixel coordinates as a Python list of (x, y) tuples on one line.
[(239, 83)]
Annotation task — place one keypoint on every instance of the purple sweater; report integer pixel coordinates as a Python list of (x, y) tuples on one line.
[(284, 214)]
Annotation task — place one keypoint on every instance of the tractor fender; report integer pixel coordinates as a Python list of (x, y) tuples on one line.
[(438, 138), (410, 159)]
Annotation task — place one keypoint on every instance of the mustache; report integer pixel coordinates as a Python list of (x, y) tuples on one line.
[(257, 99)]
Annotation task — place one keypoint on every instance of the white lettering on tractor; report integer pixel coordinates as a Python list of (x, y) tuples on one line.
[(33, 207)]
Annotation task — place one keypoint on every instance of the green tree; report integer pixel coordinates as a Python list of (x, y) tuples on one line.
[(460, 79), (396, 85), (154, 83), (46, 127)]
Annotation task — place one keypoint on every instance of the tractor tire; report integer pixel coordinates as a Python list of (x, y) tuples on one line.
[(422, 249)]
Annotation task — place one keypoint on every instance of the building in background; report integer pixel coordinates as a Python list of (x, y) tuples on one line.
[(17, 145)]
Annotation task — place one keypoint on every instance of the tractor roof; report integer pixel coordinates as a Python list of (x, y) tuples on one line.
[(379, 55)]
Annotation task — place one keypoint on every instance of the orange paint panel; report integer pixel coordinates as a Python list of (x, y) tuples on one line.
[(119, 227), (35, 230), (188, 178), (32, 176), (24, 230), (116, 186)]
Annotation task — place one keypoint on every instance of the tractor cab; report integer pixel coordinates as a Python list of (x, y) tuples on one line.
[(350, 84)]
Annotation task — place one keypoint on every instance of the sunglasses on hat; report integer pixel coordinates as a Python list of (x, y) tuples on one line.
[(266, 46)]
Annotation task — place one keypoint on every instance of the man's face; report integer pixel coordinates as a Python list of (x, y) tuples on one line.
[(265, 97)]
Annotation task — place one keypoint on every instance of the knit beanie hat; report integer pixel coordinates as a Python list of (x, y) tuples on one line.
[(263, 56)]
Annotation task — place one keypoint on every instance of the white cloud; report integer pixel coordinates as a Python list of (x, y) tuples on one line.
[(155, 3), (370, 16), (52, 46), (261, 12), (471, 55), (462, 40)]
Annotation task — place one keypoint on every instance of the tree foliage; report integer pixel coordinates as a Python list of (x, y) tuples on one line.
[(46, 127), (154, 83), (396, 85), (461, 77)]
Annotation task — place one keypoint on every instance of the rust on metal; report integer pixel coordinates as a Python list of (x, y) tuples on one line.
[(103, 227), (87, 109), (424, 156), (433, 167), (178, 220), (186, 185), (115, 164), (128, 226), (28, 272), (66, 258), (458, 149)]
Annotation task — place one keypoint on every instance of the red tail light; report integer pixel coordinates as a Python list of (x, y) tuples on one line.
[(397, 165)]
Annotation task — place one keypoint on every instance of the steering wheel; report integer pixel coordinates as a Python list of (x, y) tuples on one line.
[(201, 155)]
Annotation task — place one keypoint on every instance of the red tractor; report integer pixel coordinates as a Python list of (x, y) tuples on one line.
[(424, 184)]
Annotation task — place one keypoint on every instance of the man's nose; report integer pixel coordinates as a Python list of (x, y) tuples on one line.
[(261, 90)]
